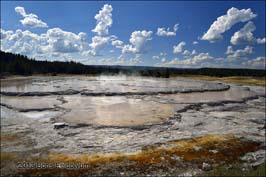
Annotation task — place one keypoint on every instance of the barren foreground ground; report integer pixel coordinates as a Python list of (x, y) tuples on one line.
[(128, 126)]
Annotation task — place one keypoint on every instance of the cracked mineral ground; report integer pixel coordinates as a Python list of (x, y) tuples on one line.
[(128, 126)]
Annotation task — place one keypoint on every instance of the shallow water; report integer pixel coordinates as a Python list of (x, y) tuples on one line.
[(126, 122), (115, 84), (114, 111), (233, 94), (117, 110), (33, 102)]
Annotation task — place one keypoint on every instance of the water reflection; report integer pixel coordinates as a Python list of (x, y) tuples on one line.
[(101, 84), (115, 111)]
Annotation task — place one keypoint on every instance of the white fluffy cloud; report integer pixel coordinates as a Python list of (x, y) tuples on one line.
[(5, 34), (258, 62), (190, 61), (176, 27), (167, 32), (195, 42), (98, 43), (179, 48), (229, 50), (30, 20), (261, 40), (225, 22), (136, 59), (196, 59), (194, 52), (54, 41), (104, 20), (129, 49), (161, 57), (66, 42), (23, 42), (138, 39), (117, 43), (234, 55), (186, 52), (244, 35)]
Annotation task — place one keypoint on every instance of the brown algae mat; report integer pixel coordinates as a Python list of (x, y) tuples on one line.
[(213, 149)]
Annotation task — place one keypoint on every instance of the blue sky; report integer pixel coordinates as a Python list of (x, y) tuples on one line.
[(173, 33)]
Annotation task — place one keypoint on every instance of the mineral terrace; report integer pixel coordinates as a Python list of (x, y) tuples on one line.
[(79, 115)]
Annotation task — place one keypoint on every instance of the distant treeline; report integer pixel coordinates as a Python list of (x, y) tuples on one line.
[(22, 65)]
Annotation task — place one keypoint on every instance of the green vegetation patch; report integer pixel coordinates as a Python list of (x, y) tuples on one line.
[(238, 170)]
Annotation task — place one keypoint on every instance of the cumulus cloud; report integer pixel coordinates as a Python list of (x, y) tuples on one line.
[(229, 50), (161, 57), (138, 39), (261, 40), (167, 32), (258, 62), (129, 49), (123, 60), (244, 35), (176, 27), (195, 42), (234, 55), (194, 52), (66, 42), (30, 20), (5, 34), (179, 48), (98, 43), (190, 62), (136, 60), (23, 42), (196, 59), (186, 52), (54, 41), (225, 22), (104, 20), (117, 43)]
